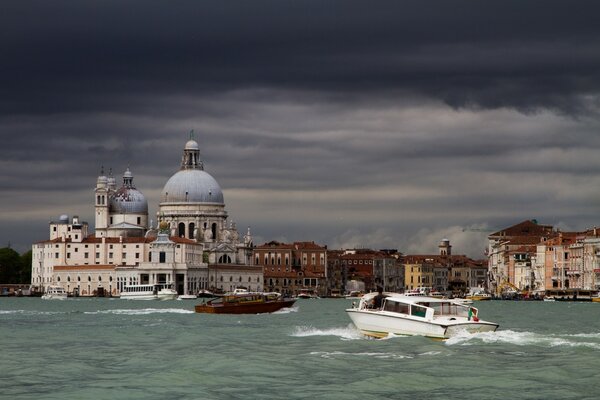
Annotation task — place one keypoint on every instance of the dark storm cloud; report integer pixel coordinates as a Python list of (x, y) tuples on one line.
[(109, 55), (345, 122)]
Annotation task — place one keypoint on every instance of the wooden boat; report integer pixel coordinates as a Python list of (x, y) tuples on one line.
[(243, 302)]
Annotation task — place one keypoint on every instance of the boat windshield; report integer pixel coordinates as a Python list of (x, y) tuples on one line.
[(446, 308)]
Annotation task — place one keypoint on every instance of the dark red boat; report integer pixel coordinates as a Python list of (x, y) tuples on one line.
[(243, 302)]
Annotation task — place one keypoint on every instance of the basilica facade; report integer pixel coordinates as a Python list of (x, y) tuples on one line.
[(193, 246)]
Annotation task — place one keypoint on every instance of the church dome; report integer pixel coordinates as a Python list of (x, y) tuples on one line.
[(128, 200), (192, 186)]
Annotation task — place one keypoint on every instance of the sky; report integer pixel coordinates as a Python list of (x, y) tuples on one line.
[(354, 124)]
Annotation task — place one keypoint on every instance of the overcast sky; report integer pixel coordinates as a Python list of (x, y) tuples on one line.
[(351, 123)]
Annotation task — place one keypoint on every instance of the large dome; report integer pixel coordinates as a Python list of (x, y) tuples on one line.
[(192, 186)]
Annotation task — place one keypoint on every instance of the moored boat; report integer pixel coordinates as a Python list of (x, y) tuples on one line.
[(479, 296), (187, 297), (416, 316), (205, 294), (149, 292), (244, 302), (54, 293)]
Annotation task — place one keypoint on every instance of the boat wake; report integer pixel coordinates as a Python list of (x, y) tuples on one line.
[(286, 310), (143, 311), (347, 333), (525, 339), (343, 354)]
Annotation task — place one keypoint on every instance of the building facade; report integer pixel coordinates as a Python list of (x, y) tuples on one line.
[(290, 268)]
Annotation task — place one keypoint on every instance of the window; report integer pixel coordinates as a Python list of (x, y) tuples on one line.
[(97, 255), (162, 257), (110, 255), (86, 255)]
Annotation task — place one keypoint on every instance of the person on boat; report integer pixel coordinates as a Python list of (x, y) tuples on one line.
[(378, 300)]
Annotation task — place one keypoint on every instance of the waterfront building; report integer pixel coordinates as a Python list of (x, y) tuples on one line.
[(444, 272), (372, 268), (193, 247), (528, 257), (515, 247), (289, 268)]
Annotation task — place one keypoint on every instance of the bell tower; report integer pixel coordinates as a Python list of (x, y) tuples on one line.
[(101, 204)]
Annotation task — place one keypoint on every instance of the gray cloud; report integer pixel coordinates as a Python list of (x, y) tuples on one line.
[(341, 122)]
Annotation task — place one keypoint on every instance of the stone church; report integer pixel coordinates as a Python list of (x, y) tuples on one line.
[(193, 246)]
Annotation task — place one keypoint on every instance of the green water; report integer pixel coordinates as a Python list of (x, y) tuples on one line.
[(118, 349)]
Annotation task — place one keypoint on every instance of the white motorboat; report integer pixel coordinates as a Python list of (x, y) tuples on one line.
[(416, 316), (54, 293), (149, 292)]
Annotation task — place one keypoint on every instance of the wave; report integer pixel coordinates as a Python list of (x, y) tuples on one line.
[(142, 311), (347, 333), (523, 339), (31, 312), (378, 355)]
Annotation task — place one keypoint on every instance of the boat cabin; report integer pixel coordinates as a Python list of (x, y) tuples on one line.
[(427, 308)]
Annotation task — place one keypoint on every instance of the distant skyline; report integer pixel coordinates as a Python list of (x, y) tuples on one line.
[(354, 124)]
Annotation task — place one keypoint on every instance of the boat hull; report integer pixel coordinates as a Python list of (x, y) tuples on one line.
[(380, 324), (258, 308)]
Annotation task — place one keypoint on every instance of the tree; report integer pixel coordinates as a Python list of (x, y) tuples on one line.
[(25, 275), (10, 265)]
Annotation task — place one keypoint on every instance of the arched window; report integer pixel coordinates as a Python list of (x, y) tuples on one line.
[(191, 228), (224, 259), (213, 229), (181, 229)]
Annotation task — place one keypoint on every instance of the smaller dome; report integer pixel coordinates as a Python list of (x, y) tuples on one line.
[(128, 200), (128, 174), (192, 145)]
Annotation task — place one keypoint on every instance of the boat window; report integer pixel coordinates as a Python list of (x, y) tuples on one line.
[(418, 311), (395, 306)]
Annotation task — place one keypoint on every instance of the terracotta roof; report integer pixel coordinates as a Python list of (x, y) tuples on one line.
[(525, 228)]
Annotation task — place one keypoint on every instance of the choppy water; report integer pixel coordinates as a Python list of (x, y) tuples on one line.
[(118, 349)]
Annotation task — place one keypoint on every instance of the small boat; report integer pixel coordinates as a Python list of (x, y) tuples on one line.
[(203, 293), (244, 302), (553, 299), (54, 293), (149, 292), (416, 316), (187, 297), (480, 296)]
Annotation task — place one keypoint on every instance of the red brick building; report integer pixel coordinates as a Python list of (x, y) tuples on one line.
[(289, 268)]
